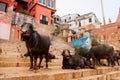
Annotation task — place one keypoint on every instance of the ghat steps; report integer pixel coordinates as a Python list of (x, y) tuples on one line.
[(13, 66)]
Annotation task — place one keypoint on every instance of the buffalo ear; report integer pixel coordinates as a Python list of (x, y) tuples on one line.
[(31, 26)]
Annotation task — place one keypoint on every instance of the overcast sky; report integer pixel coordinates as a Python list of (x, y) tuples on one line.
[(111, 8)]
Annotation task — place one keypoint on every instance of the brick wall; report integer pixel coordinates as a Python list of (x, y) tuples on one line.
[(108, 33)]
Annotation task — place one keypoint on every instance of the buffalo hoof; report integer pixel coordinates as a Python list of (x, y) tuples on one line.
[(31, 68), (40, 67), (92, 67), (35, 71), (26, 55), (63, 67), (76, 68)]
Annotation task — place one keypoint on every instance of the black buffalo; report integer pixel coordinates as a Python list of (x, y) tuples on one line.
[(117, 56), (73, 61), (103, 51), (37, 45), (81, 51)]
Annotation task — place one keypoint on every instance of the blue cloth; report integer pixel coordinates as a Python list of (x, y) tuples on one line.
[(83, 42)]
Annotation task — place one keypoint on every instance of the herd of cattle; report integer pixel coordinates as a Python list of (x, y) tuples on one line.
[(38, 47)]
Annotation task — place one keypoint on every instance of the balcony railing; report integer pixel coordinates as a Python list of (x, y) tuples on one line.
[(18, 19)]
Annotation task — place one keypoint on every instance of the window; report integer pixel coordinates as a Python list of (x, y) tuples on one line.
[(65, 20), (96, 20), (42, 1), (69, 18), (3, 7), (90, 20), (79, 24), (44, 19), (51, 3), (55, 20), (58, 19)]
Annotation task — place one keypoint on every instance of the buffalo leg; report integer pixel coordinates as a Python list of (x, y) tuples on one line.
[(47, 60), (41, 58), (117, 62), (94, 61), (110, 62), (35, 63), (31, 62), (88, 64)]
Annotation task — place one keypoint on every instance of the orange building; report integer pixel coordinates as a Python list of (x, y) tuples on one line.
[(40, 14)]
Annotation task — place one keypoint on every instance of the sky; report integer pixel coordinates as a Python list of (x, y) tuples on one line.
[(111, 8)]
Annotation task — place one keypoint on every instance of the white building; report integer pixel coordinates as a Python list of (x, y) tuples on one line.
[(76, 21)]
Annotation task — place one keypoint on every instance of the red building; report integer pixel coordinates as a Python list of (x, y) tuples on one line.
[(39, 13)]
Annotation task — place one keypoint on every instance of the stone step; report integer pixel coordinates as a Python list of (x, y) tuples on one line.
[(113, 75), (23, 64), (13, 59), (107, 75), (94, 77), (22, 59), (117, 78), (52, 73), (56, 73)]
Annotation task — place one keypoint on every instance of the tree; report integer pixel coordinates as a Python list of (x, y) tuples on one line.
[(95, 42)]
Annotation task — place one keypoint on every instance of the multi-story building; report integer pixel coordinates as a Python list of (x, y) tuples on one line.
[(39, 13), (71, 19), (78, 22)]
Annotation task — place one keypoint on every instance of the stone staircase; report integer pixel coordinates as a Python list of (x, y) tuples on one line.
[(13, 66)]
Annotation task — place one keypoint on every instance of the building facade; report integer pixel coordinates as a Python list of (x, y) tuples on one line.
[(13, 13), (108, 33), (77, 22)]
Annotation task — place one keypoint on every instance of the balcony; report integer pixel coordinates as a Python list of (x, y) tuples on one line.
[(18, 19)]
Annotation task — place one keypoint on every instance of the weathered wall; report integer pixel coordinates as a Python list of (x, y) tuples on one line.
[(5, 23), (4, 30)]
